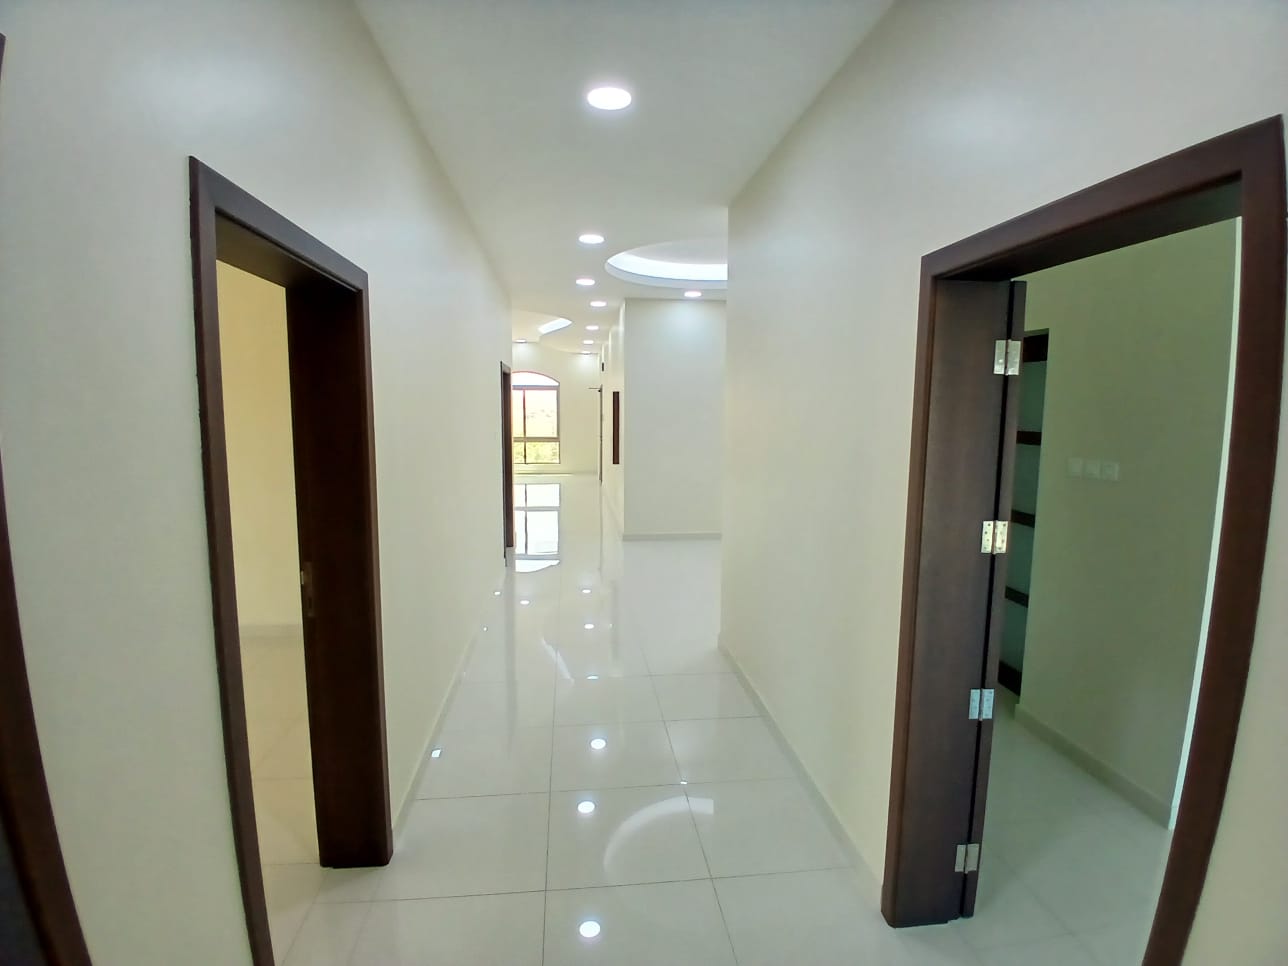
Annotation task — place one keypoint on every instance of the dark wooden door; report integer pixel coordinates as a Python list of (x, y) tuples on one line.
[(335, 507), (964, 446), (507, 459)]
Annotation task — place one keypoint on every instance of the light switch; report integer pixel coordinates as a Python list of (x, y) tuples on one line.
[(1109, 471), (1075, 465), (1091, 469)]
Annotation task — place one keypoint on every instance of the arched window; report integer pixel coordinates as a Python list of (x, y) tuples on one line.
[(535, 399)]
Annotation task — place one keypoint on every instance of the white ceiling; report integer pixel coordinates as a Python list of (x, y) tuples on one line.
[(499, 87)]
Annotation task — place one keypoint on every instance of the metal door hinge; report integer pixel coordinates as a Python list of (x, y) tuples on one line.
[(993, 536), (981, 705), (967, 858), (1006, 357)]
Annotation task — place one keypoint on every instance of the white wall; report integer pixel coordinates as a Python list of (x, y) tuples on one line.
[(950, 118), (1137, 374), (261, 461), (100, 106), (673, 440), (578, 405)]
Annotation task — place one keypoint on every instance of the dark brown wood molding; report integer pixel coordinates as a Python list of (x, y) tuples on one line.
[(26, 813), (230, 225), (1236, 174)]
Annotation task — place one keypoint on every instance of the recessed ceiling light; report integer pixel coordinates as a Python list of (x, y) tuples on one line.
[(436, 753), (587, 341), (591, 238), (496, 593), (592, 328), (586, 353), (554, 325), (592, 677), (609, 98), (585, 590), (589, 929), (599, 744), (585, 807), (589, 627), (599, 304), (525, 603), (693, 293), (585, 282), (520, 341)]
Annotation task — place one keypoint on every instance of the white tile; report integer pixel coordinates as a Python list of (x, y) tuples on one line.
[(685, 696), (495, 706), (488, 763), (727, 749), (633, 835), (605, 700), (762, 826), (633, 755), (676, 923), (328, 935), (1006, 910), (289, 756), (286, 821), (349, 885), (1122, 944), (469, 846), (677, 659), (501, 930), (1061, 951), (288, 894), (804, 919), (937, 946), (608, 657)]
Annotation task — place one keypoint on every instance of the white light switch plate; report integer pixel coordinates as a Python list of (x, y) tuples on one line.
[(1109, 471), (1091, 469)]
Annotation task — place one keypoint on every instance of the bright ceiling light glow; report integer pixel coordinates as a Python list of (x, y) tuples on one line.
[(585, 282), (585, 807), (599, 744), (589, 627), (585, 590), (585, 353), (554, 325), (592, 328), (525, 603), (632, 267), (693, 293), (589, 929), (520, 341), (436, 752), (592, 677), (496, 593), (599, 304), (587, 341), (609, 98), (591, 238)]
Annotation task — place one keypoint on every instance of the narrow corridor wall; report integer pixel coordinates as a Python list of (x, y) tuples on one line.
[(950, 118), (101, 105)]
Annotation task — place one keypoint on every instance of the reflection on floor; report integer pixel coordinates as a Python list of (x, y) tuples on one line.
[(603, 790), (282, 777)]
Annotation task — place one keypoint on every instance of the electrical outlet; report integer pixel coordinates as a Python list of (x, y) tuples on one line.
[(1091, 469), (1109, 471)]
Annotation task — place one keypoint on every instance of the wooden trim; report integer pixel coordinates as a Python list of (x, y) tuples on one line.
[(617, 427), (26, 812), (1235, 174), (1029, 437), (351, 783), (507, 459)]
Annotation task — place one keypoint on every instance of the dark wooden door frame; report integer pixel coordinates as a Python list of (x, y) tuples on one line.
[(333, 429), (507, 458), (47, 917), (1236, 174)]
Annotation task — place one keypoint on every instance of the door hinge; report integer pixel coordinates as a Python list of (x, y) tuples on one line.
[(981, 705), (1006, 357), (967, 858), (993, 536)]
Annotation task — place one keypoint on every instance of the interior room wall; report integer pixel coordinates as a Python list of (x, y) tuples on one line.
[(261, 461), (673, 441), (100, 107), (1133, 440), (951, 118), (578, 376)]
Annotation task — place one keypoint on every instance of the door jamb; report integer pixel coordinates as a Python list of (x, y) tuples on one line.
[(229, 224), (1238, 173), (507, 457)]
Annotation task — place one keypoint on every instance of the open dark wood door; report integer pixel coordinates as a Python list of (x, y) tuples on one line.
[(507, 459), (961, 463)]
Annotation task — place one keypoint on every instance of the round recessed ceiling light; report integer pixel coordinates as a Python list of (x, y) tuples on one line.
[(592, 677), (585, 590), (599, 744), (599, 304), (609, 98), (693, 293), (592, 328), (591, 238), (585, 807), (585, 282), (525, 603), (589, 627), (520, 341), (436, 753), (589, 929), (587, 341)]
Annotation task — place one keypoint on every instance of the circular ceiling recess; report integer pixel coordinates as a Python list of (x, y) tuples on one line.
[(701, 262)]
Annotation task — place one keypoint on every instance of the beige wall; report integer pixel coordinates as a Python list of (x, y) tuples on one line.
[(578, 405), (952, 117), (261, 463), (100, 106), (1138, 375), (672, 444)]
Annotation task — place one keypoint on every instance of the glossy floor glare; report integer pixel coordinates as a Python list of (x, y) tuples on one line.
[(611, 794)]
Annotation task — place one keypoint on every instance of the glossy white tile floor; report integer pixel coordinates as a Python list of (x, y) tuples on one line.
[(603, 790)]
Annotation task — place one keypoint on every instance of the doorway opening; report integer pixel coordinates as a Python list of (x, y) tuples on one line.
[(964, 453), (332, 437)]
